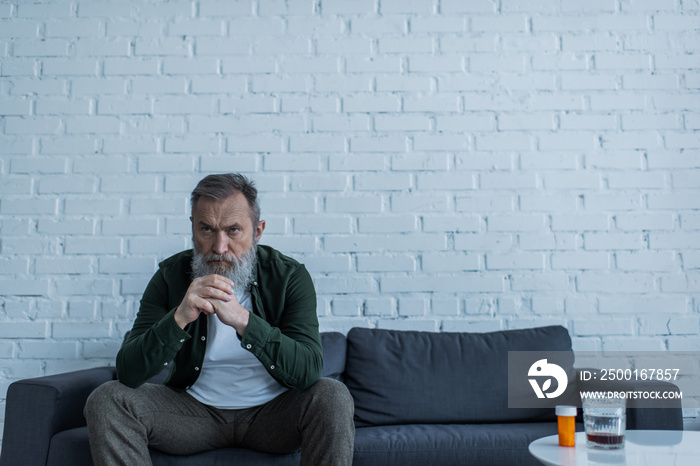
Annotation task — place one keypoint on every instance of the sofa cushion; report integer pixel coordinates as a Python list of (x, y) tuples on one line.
[(70, 447), (408, 377), (226, 456), (450, 445)]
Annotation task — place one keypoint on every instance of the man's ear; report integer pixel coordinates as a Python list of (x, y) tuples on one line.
[(259, 229)]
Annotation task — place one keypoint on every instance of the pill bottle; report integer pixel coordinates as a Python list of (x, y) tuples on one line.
[(566, 425)]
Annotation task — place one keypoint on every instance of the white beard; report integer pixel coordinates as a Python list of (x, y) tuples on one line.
[(239, 271)]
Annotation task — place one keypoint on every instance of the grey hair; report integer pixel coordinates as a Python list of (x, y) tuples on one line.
[(224, 185)]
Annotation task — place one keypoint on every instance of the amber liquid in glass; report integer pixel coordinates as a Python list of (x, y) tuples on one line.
[(606, 439)]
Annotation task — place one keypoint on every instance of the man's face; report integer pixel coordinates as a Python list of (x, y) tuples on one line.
[(224, 227)]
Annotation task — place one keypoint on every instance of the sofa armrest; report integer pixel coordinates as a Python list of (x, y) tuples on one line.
[(668, 416), (38, 408)]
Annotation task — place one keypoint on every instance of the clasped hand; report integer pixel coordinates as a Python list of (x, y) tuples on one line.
[(212, 294)]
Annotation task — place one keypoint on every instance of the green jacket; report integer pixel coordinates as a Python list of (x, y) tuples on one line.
[(282, 332)]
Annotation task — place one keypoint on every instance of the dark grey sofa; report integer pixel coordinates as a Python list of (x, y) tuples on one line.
[(420, 398)]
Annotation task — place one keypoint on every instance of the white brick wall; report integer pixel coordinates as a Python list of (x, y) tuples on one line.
[(438, 164)]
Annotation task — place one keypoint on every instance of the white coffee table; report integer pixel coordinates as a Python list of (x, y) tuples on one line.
[(642, 447)]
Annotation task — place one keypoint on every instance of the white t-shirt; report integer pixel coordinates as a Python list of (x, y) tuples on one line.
[(231, 377)]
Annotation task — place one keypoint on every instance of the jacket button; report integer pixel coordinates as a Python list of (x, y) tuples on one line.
[(187, 387), (248, 346), (272, 367), (182, 341), (196, 368), (204, 338), (165, 364)]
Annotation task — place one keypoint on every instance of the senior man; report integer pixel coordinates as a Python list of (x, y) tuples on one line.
[(237, 322)]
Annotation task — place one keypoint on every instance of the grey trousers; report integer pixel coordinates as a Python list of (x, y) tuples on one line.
[(124, 422)]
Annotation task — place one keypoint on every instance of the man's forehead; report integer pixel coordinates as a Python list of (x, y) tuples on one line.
[(232, 209)]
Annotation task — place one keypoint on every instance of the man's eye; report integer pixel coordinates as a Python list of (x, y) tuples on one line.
[(206, 229), (234, 230)]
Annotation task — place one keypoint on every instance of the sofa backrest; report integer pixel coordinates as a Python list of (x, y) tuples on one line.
[(334, 350), (408, 377), (334, 347)]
